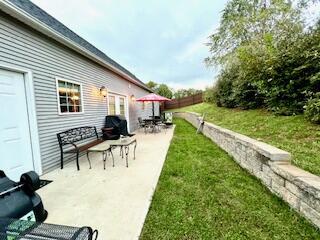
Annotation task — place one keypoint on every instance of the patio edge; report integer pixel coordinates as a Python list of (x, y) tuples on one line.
[(152, 191)]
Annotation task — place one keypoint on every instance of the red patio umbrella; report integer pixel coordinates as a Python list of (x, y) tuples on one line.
[(152, 97)]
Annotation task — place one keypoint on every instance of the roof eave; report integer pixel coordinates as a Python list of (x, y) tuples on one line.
[(31, 21)]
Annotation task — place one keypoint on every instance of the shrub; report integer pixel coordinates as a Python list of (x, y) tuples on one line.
[(277, 78), (293, 71), (209, 95), (224, 91), (312, 109), (239, 80), (247, 96)]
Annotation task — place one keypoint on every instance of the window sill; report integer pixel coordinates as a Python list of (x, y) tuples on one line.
[(70, 113)]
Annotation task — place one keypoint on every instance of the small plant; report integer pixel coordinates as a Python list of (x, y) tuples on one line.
[(312, 109)]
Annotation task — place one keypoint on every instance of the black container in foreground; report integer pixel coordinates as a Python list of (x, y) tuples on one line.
[(22, 213), (19, 199)]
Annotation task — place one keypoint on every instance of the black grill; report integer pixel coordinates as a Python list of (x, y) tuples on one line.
[(115, 125)]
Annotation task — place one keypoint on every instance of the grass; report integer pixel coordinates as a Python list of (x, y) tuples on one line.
[(290, 133), (203, 194)]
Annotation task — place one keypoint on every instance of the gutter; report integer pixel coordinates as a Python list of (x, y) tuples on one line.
[(33, 22)]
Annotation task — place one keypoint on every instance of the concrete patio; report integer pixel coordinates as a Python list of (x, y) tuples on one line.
[(116, 200)]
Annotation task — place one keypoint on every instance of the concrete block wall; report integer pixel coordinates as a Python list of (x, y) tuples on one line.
[(299, 188)]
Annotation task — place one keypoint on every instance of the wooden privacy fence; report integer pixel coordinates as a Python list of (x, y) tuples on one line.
[(183, 102)]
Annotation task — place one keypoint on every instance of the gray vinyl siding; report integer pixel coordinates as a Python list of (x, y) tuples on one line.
[(22, 46)]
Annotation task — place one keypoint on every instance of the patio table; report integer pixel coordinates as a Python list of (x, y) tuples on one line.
[(124, 144), (154, 124), (103, 148)]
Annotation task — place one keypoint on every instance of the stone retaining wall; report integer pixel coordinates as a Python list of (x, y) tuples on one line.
[(299, 188)]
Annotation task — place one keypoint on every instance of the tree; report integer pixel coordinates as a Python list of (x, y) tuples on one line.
[(152, 85), (267, 56), (164, 91), (181, 93), (262, 21), (161, 89), (294, 75)]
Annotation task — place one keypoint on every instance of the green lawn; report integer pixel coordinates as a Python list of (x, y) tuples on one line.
[(203, 194), (291, 133)]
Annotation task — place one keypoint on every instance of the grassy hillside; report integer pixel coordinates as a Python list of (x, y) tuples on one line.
[(291, 133), (203, 194)]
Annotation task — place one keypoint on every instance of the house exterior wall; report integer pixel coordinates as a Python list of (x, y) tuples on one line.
[(23, 47)]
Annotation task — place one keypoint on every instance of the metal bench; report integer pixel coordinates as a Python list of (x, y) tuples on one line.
[(71, 136)]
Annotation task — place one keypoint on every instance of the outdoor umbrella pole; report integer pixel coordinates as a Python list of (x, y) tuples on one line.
[(153, 110)]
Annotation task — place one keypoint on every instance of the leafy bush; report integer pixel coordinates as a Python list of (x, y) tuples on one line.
[(294, 71), (247, 95), (260, 75), (237, 86), (250, 63), (312, 109), (267, 56), (224, 90), (209, 95)]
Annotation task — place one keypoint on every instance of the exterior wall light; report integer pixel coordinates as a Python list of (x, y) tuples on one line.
[(103, 91), (133, 98)]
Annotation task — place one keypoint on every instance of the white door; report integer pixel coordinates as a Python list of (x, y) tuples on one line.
[(15, 143)]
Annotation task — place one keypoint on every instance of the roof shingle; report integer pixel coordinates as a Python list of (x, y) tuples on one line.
[(54, 24)]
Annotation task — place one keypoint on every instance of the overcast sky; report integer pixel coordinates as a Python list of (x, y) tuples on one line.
[(159, 40)]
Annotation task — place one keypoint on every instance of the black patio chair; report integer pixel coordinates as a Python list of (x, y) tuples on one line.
[(141, 123)]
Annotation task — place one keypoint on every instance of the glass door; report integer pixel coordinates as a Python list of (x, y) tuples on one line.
[(112, 105), (122, 106), (117, 105)]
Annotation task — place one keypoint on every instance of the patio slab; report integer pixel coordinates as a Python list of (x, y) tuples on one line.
[(116, 200)]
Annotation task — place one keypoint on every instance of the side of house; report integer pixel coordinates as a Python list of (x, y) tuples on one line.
[(37, 76)]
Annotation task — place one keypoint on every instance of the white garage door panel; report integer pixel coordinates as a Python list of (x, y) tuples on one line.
[(15, 144)]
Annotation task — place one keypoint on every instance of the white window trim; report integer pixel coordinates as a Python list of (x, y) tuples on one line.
[(58, 97), (32, 114), (126, 99)]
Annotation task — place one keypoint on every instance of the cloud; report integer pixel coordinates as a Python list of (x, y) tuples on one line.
[(194, 83), (161, 41), (312, 13), (195, 47), (71, 10)]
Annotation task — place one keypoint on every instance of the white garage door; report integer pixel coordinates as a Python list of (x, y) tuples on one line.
[(15, 143)]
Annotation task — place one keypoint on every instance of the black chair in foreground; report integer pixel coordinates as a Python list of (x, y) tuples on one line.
[(29, 230)]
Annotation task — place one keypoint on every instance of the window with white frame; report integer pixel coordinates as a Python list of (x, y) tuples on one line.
[(69, 97)]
